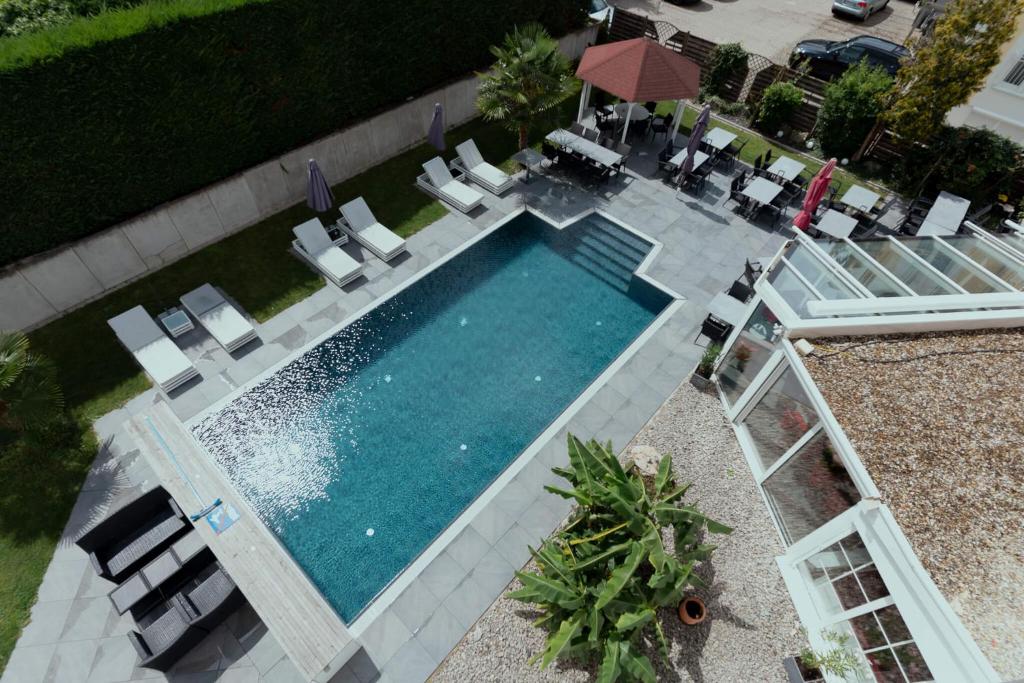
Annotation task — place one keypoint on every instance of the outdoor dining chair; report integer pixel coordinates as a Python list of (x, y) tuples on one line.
[(661, 125), (714, 329), (741, 291), (732, 153), (577, 128)]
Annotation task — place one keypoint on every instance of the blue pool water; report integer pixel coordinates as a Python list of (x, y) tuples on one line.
[(400, 420)]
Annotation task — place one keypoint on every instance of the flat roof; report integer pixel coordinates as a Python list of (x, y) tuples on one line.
[(938, 420)]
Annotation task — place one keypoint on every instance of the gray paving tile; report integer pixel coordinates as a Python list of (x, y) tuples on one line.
[(89, 618), (114, 661), (493, 573), (411, 663), (515, 545), (440, 634), (284, 672), (468, 601), (384, 637), (516, 496), (442, 575), (28, 664), (468, 547), (415, 605), (46, 623), (72, 661), (62, 579), (492, 522)]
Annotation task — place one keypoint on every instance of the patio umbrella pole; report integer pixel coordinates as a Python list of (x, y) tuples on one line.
[(677, 119), (584, 99), (629, 117)]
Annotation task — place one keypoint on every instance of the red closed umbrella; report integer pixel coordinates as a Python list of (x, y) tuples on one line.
[(815, 192)]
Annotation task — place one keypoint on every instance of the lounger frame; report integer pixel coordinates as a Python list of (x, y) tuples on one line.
[(423, 181), (457, 164), (347, 227), (230, 345)]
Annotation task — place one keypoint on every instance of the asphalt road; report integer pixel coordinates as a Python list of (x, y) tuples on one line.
[(772, 27)]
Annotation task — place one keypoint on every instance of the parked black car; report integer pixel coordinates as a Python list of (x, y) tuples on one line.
[(830, 58)]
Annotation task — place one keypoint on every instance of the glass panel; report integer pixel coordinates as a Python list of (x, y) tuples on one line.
[(849, 592), (754, 346), (884, 666), (913, 663), (913, 274), (794, 292), (1013, 241), (811, 488), (871, 582), (895, 629), (867, 273), (955, 269), (869, 633), (988, 257), (826, 282), (780, 418)]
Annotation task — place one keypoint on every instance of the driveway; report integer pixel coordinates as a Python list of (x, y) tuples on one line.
[(772, 27)]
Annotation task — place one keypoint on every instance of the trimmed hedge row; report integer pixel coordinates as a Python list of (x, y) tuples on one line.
[(110, 129)]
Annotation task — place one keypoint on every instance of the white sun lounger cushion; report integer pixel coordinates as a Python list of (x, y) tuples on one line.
[(221, 319), (159, 356), (332, 261), (488, 175), (366, 229)]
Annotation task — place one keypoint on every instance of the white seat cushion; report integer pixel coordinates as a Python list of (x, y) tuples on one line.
[(465, 196), (337, 263), (490, 175), (164, 361), (381, 238)]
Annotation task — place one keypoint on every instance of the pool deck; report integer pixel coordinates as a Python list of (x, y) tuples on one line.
[(74, 635)]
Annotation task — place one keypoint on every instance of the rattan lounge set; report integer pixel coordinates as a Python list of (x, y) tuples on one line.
[(166, 577)]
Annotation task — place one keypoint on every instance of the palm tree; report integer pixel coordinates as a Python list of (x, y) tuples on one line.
[(530, 78), (29, 393)]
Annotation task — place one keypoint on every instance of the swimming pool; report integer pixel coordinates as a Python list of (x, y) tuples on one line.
[(362, 450)]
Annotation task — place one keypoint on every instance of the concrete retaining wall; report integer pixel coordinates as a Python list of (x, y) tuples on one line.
[(45, 287)]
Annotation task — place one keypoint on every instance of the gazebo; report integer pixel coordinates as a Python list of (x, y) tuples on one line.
[(638, 70)]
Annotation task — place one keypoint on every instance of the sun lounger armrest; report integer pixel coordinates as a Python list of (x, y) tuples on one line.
[(175, 509), (97, 566), (140, 646)]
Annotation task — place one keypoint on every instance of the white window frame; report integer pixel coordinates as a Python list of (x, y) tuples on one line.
[(1004, 83), (947, 647)]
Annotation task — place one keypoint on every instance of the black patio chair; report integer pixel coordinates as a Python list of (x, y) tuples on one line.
[(665, 157), (773, 210), (591, 134), (741, 291), (576, 127), (731, 153), (751, 271), (134, 534), (549, 151), (166, 638), (768, 158), (910, 224), (736, 189), (607, 124), (650, 107), (758, 164), (714, 329), (661, 125)]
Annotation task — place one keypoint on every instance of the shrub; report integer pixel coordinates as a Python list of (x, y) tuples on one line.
[(110, 116), (851, 106), (724, 62), (975, 163), (25, 16), (707, 362), (602, 578), (778, 104)]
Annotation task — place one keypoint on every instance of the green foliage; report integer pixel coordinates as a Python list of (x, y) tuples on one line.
[(707, 362), (724, 62), (975, 163), (29, 394), (839, 660), (851, 107), (24, 16), (778, 103), (603, 577), (109, 116), (529, 80), (950, 65)]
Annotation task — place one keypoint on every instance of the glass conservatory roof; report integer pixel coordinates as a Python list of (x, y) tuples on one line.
[(965, 272)]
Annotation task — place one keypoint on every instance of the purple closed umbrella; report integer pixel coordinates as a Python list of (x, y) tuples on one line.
[(318, 192), (435, 136), (696, 135)]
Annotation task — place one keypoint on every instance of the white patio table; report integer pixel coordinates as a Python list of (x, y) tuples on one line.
[(786, 168)]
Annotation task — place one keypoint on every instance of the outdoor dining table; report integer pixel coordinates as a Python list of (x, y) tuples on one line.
[(719, 138), (836, 224), (762, 190), (638, 114), (698, 159), (588, 148), (860, 198), (786, 168), (945, 216), (727, 309)]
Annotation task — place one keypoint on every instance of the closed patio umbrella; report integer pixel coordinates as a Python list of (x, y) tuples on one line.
[(696, 135), (318, 192), (435, 136), (815, 192)]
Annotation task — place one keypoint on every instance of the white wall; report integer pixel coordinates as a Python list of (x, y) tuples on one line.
[(41, 288), (999, 106)]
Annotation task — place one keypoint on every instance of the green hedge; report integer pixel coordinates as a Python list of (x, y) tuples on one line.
[(119, 122)]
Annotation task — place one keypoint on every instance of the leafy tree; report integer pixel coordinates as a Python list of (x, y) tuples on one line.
[(724, 62), (778, 103), (602, 578), (851, 107), (949, 65), (29, 393), (531, 78)]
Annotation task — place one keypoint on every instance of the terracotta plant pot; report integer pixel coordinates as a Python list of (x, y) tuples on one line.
[(692, 610)]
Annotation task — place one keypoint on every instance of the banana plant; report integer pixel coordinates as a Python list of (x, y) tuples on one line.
[(602, 578)]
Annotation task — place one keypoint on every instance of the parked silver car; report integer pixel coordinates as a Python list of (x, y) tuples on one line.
[(862, 9)]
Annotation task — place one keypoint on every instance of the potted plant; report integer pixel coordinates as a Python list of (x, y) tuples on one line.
[(838, 660), (701, 377), (601, 579)]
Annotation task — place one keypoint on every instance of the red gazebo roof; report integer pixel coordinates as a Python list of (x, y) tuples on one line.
[(640, 70)]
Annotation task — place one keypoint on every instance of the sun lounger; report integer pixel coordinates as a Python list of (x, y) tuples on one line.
[(359, 222), (439, 182), (162, 360), (472, 163), (313, 244), (221, 319)]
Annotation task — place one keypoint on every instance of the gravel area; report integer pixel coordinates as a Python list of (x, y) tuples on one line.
[(752, 623), (937, 420)]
